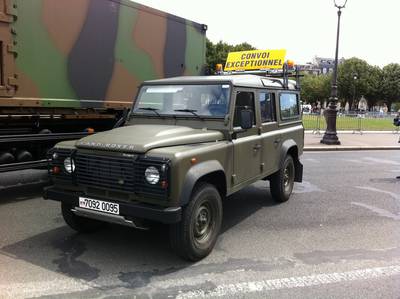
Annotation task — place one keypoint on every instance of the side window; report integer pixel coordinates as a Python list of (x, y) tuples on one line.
[(244, 100), (267, 107), (289, 105)]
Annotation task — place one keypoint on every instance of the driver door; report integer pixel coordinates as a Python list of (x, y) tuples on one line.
[(247, 145)]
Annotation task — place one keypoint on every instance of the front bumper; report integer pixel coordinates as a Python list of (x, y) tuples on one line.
[(134, 210)]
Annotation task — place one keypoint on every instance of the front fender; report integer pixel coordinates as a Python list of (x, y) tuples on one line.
[(194, 174)]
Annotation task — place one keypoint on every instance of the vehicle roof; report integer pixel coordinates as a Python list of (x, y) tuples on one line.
[(243, 80)]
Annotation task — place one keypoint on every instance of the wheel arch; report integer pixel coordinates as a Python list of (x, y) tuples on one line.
[(289, 147), (210, 172)]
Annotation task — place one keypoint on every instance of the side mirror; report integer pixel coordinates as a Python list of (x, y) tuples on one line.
[(246, 119)]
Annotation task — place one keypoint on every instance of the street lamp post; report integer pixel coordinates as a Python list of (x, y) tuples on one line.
[(330, 136), (355, 77)]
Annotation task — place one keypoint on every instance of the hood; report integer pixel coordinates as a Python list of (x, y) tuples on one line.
[(141, 138)]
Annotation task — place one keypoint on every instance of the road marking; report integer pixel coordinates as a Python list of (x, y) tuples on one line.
[(43, 288), (380, 161), (394, 195), (228, 290), (379, 211)]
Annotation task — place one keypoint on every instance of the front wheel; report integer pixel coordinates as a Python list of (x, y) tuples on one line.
[(282, 182), (194, 237)]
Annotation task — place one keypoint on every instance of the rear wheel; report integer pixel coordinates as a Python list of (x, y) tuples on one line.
[(195, 236), (282, 182), (80, 224)]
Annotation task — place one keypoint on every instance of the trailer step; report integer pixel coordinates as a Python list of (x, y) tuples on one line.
[(23, 165), (42, 137)]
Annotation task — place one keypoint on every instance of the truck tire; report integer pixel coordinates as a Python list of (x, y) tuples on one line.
[(282, 182), (194, 237), (80, 224)]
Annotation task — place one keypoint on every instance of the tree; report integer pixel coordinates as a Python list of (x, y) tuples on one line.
[(353, 79), (391, 83), (374, 86), (217, 53), (315, 88)]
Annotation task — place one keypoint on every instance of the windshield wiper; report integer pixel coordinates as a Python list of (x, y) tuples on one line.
[(151, 109), (192, 111)]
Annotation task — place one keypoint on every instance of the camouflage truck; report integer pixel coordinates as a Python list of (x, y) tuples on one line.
[(69, 68)]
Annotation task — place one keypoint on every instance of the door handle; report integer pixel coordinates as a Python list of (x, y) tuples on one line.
[(257, 147)]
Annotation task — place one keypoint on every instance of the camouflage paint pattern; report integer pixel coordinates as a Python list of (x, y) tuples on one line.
[(95, 53)]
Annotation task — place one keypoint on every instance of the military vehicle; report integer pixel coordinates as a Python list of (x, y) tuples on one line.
[(188, 143), (69, 68)]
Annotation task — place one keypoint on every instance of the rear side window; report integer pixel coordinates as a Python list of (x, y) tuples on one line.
[(289, 105)]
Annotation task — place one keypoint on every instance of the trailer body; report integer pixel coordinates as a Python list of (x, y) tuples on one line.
[(71, 65)]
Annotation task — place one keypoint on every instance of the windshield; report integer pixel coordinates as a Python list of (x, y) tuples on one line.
[(185, 100)]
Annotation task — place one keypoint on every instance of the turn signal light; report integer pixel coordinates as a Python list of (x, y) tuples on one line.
[(89, 130), (193, 160), (164, 184), (55, 170)]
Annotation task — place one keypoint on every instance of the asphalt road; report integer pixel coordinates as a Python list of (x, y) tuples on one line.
[(338, 237)]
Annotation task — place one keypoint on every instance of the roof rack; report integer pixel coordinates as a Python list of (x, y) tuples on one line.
[(285, 74)]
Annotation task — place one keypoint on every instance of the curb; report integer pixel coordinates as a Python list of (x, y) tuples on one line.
[(353, 132), (349, 148)]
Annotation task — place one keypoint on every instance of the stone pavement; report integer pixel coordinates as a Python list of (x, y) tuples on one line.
[(354, 141)]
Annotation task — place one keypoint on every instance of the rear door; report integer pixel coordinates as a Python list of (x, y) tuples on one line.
[(271, 138)]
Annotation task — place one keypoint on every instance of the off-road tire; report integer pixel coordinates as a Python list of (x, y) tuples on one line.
[(80, 224), (195, 236), (282, 182)]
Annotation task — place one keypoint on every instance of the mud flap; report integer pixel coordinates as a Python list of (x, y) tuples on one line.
[(298, 176)]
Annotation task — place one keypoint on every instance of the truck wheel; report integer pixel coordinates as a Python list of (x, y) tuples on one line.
[(281, 182), (194, 237), (80, 224)]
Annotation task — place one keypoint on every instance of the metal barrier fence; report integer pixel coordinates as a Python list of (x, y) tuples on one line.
[(352, 122)]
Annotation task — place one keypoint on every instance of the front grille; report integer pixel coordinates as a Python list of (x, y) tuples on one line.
[(105, 171), (119, 174)]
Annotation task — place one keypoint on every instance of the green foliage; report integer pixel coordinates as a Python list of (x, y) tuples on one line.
[(391, 83), (350, 88), (377, 85), (396, 106), (373, 93), (315, 88), (217, 53)]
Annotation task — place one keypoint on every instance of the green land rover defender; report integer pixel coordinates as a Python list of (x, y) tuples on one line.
[(187, 144)]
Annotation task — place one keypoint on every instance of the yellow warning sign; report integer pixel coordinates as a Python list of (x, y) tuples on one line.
[(255, 60)]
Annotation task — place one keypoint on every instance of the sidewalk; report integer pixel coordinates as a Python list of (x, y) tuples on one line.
[(357, 141)]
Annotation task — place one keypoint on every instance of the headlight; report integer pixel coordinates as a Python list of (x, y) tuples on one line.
[(152, 175), (69, 165)]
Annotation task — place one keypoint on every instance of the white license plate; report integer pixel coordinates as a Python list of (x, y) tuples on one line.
[(99, 205)]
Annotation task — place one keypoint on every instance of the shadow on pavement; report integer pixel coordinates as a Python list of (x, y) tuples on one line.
[(245, 203), (136, 256), (22, 185), (21, 192)]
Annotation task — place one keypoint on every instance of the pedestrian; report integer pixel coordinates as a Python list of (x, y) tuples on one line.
[(396, 120)]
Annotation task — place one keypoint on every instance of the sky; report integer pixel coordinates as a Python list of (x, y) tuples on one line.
[(370, 30)]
